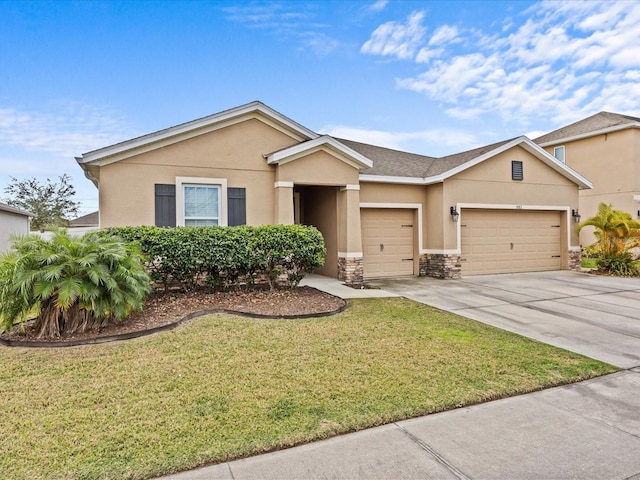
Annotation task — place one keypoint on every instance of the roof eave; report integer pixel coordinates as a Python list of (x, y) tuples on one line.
[(253, 107), (359, 160), (528, 144), (593, 133)]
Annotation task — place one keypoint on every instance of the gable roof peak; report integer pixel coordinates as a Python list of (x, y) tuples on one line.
[(596, 124)]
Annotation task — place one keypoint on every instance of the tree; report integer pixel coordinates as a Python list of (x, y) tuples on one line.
[(616, 230), (71, 284), (51, 202)]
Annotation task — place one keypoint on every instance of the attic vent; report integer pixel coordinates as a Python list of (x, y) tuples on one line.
[(516, 171)]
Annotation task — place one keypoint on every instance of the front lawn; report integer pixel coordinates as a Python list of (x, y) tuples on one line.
[(225, 386)]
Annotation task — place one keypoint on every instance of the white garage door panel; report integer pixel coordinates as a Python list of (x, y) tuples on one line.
[(502, 241), (387, 237)]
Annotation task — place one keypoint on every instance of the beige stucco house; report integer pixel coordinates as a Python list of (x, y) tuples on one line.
[(501, 208), (13, 221), (605, 148)]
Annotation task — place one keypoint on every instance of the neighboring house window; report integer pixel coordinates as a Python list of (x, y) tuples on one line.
[(558, 152), (201, 201), (517, 171)]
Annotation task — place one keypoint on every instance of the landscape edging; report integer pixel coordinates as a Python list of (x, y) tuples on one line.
[(162, 328)]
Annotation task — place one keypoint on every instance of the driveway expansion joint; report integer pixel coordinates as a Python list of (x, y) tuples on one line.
[(439, 458)]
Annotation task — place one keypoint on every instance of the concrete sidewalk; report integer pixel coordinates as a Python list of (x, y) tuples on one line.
[(339, 289), (585, 430)]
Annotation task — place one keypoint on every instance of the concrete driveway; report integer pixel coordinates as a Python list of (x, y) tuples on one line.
[(593, 315), (589, 429)]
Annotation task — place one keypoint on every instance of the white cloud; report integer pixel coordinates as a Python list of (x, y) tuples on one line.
[(291, 20), (396, 39), (566, 59), (425, 55), (320, 43), (447, 140), (378, 6), (65, 130), (444, 34), (42, 144)]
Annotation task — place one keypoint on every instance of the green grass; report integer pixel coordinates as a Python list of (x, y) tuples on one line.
[(588, 262), (223, 387)]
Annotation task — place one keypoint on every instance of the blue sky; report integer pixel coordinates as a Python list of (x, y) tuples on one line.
[(424, 76)]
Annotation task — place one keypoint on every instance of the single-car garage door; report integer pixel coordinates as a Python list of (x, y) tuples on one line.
[(387, 238), (503, 241)]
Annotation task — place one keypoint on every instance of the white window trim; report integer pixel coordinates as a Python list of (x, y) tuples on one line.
[(219, 182), (564, 160)]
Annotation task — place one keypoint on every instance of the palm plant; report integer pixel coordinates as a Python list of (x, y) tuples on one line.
[(616, 230), (71, 284)]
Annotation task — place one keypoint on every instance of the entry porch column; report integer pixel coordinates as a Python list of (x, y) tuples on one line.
[(350, 266), (283, 214)]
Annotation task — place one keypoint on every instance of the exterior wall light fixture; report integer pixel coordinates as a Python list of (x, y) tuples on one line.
[(454, 214), (576, 216)]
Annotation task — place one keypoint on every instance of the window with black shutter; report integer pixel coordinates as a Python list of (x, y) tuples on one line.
[(236, 206), (165, 205)]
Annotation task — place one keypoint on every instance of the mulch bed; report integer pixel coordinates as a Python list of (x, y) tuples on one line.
[(163, 311)]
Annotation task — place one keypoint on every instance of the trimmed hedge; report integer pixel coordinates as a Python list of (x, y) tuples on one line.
[(225, 257)]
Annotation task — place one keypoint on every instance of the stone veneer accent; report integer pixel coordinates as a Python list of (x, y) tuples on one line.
[(440, 265), (575, 258), (351, 271)]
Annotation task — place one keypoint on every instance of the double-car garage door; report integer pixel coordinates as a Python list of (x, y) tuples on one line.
[(492, 241), (503, 241)]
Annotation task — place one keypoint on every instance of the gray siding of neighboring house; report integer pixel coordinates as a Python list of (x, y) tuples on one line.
[(11, 224)]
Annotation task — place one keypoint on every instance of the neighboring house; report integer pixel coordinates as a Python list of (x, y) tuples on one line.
[(501, 208), (84, 224), (606, 149), (13, 221)]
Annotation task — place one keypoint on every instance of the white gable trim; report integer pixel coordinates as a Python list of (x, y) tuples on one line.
[(324, 142), (198, 127), (594, 133)]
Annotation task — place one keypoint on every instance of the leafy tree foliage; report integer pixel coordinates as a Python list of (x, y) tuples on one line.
[(50, 202), (70, 284), (617, 232)]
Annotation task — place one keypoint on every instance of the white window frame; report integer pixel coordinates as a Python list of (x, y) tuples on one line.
[(564, 153), (181, 182)]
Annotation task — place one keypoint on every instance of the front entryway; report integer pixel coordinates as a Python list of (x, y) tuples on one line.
[(388, 242), (507, 241)]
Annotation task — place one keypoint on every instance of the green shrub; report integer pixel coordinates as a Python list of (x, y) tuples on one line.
[(225, 257), (71, 284), (621, 264)]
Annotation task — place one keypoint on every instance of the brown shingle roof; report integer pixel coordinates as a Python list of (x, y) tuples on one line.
[(389, 162), (395, 163), (89, 220), (450, 162), (594, 123)]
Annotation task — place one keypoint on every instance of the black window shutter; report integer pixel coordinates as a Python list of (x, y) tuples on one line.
[(165, 205), (517, 172), (236, 206)]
